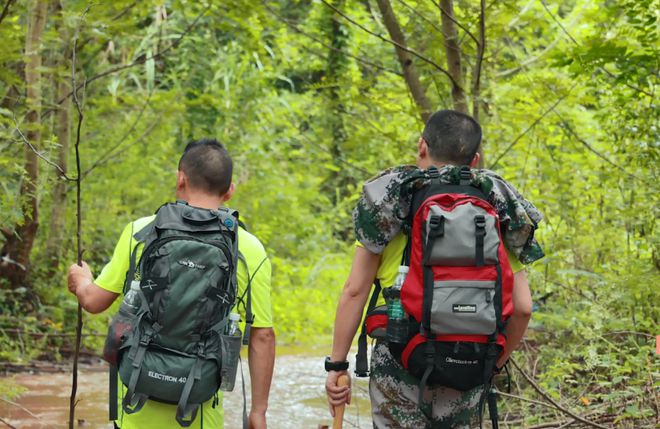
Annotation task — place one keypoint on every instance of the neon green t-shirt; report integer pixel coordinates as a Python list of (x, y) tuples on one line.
[(162, 416), (390, 260)]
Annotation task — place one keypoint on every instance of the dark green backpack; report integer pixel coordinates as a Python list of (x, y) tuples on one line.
[(187, 275)]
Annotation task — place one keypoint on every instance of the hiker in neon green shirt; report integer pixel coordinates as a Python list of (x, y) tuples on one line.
[(204, 181)]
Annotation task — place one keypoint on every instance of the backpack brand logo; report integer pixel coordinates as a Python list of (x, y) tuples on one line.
[(464, 308), (165, 377), (190, 264), (460, 361)]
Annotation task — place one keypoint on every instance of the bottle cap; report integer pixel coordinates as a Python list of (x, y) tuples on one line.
[(403, 269), (234, 317), (135, 284)]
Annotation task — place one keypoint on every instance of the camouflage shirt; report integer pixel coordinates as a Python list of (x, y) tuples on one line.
[(384, 205)]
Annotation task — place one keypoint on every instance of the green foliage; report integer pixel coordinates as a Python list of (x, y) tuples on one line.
[(310, 106)]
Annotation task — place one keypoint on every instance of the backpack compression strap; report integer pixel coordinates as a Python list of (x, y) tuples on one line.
[(361, 361)]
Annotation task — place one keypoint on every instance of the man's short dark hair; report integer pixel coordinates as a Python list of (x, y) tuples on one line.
[(207, 165), (452, 137)]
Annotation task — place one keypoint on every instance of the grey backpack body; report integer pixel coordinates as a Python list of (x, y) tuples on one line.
[(187, 275)]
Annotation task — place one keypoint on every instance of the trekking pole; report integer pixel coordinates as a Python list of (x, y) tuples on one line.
[(338, 422)]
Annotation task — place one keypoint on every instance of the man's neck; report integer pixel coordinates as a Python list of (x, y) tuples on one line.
[(204, 201)]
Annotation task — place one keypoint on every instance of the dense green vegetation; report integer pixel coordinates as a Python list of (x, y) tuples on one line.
[(314, 97)]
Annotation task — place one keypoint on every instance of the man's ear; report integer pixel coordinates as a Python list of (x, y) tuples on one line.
[(230, 192), (181, 180), (422, 149), (475, 160)]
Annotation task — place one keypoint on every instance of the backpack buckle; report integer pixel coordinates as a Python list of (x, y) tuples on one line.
[(480, 224), (433, 172), (465, 176)]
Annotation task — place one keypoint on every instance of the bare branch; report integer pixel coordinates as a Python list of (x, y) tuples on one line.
[(141, 60), (20, 406), (297, 29), (112, 153), (455, 21), (530, 127), (481, 49), (550, 399), (385, 39), (421, 15), (79, 322), (5, 10), (601, 68), (567, 127), (39, 154)]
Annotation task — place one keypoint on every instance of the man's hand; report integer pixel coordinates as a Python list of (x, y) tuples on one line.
[(79, 277), (256, 420), (337, 395), (80, 282)]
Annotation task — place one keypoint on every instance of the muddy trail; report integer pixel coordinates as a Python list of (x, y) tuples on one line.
[(297, 396)]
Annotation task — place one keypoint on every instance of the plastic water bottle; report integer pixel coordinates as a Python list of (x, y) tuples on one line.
[(122, 323), (230, 350), (233, 329), (397, 321), (131, 302)]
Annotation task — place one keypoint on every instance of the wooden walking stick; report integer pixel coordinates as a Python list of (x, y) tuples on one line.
[(338, 422)]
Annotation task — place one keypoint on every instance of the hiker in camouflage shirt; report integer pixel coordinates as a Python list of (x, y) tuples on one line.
[(450, 139)]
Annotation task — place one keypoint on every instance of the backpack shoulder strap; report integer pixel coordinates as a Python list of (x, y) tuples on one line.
[(361, 361), (139, 237), (249, 317)]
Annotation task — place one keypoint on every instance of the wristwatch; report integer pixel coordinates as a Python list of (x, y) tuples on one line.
[(335, 366)]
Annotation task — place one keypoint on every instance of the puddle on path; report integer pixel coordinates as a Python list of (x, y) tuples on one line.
[(297, 397)]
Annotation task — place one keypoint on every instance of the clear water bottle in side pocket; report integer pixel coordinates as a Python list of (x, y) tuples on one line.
[(230, 344), (122, 323), (397, 320)]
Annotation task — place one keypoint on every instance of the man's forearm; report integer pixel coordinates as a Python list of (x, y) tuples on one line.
[(261, 359), (347, 320), (522, 313), (515, 331), (351, 303)]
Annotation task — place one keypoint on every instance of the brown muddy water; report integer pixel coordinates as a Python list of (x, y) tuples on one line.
[(297, 396)]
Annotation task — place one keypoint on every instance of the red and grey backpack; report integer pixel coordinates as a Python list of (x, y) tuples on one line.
[(457, 293)]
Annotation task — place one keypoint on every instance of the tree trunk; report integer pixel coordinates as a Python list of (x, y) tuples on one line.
[(56, 224), (63, 133), (453, 51), (17, 247), (409, 71), (335, 68)]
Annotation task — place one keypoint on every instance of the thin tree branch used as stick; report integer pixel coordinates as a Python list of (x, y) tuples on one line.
[(5, 10), (39, 154), (385, 39), (529, 128), (550, 399), (79, 323), (455, 21), (297, 29)]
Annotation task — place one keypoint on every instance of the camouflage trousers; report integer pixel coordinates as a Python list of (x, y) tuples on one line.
[(394, 399)]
